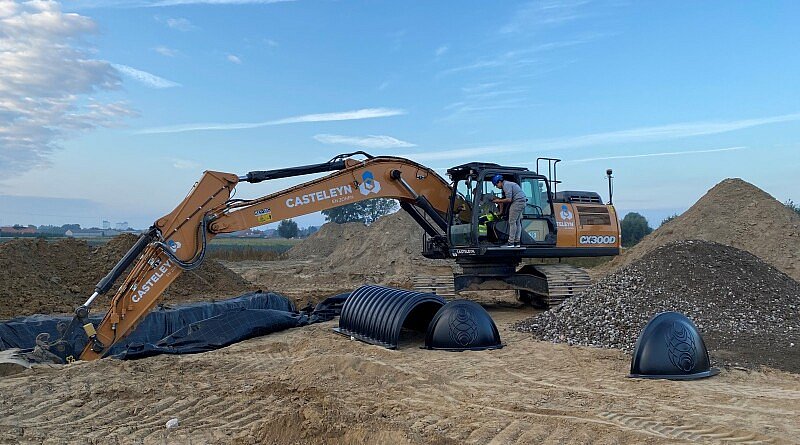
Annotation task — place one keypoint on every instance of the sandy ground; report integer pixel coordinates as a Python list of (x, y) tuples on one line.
[(311, 386)]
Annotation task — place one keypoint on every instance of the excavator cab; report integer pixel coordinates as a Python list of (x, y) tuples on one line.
[(474, 221)]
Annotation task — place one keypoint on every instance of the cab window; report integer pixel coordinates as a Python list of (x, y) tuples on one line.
[(461, 214), (538, 203)]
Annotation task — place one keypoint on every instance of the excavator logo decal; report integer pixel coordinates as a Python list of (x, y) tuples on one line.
[(369, 184), (565, 213), (334, 194), (566, 217)]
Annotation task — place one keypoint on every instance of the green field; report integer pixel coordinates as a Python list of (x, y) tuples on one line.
[(239, 249)]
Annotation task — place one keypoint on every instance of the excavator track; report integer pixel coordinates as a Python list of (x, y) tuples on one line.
[(558, 282), (563, 282), (441, 285)]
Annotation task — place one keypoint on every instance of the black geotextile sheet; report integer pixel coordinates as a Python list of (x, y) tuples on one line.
[(185, 329)]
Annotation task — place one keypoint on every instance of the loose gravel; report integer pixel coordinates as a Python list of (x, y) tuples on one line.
[(747, 311)]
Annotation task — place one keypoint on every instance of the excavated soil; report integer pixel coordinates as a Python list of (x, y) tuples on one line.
[(54, 277), (326, 240), (747, 311), (341, 257), (311, 386), (735, 213)]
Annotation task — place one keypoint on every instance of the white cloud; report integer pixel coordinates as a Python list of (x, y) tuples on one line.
[(663, 132), (213, 2), (185, 164), (166, 52), (519, 58), (635, 135), (535, 15), (47, 74), (179, 23), (270, 43), (163, 3), (365, 113), (234, 59), (371, 141), (441, 50), (145, 78), (651, 155), (486, 152)]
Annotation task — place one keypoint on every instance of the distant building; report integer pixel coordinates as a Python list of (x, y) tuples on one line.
[(121, 225), (106, 224), (17, 230), (90, 233)]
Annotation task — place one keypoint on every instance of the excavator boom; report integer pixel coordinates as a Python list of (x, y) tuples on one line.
[(177, 241), (450, 218)]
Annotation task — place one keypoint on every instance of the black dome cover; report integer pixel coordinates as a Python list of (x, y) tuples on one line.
[(670, 347), (462, 325)]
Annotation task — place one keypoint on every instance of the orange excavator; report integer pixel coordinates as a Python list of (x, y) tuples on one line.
[(458, 217)]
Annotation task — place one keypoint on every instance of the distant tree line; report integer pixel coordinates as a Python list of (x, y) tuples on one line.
[(366, 212), (634, 227), (288, 228)]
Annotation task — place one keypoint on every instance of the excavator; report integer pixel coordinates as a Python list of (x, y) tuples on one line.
[(458, 217)]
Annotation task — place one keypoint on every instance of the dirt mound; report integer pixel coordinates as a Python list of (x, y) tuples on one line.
[(326, 240), (748, 311), (341, 257), (391, 247), (738, 214), (54, 277)]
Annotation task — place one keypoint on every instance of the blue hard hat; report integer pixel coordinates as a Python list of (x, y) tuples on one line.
[(496, 179)]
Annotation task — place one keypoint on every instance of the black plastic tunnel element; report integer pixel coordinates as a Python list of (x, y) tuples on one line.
[(670, 347), (377, 314), (462, 325)]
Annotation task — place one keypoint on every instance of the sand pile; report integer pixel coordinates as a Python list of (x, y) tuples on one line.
[(747, 311), (390, 250), (326, 240), (735, 213), (54, 277), (392, 246), (341, 257)]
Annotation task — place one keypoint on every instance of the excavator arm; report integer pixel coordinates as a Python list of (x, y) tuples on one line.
[(177, 241)]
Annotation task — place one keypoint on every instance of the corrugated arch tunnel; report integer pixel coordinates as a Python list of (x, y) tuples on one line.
[(377, 314)]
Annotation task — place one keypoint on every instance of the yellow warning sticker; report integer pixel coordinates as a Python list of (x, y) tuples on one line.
[(264, 215)]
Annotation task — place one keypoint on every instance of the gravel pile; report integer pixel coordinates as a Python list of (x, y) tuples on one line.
[(735, 213), (747, 311)]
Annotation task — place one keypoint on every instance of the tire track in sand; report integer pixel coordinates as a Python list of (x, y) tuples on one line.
[(689, 431)]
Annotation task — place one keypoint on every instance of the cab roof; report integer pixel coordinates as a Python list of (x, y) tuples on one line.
[(464, 170)]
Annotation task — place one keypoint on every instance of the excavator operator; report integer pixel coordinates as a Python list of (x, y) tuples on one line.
[(515, 199)]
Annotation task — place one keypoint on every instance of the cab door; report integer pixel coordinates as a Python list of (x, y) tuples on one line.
[(538, 221)]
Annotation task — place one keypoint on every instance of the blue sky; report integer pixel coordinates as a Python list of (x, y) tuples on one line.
[(113, 109)]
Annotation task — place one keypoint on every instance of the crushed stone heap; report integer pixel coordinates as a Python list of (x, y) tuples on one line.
[(735, 213), (50, 277), (747, 311)]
